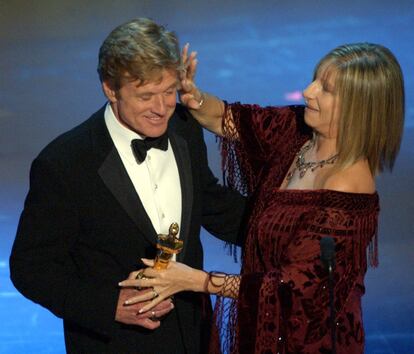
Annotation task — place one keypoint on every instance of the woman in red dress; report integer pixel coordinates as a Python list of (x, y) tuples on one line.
[(309, 172)]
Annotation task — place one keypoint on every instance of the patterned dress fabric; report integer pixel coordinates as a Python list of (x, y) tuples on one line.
[(283, 304)]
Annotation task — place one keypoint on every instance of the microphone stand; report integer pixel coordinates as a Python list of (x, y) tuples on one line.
[(327, 245), (331, 305)]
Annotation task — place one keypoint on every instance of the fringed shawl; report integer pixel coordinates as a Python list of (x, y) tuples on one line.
[(283, 300)]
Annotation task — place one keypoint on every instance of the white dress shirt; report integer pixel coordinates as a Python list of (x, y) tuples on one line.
[(156, 179)]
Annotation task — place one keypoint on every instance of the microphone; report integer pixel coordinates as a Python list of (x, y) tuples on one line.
[(327, 245), (328, 252)]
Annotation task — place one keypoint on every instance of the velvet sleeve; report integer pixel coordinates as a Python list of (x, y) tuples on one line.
[(264, 134)]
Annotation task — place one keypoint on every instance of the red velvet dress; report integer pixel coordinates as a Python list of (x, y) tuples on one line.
[(283, 304)]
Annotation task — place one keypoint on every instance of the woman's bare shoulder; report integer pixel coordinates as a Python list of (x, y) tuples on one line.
[(354, 179)]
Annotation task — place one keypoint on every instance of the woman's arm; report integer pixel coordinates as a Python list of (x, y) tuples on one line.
[(207, 109), (176, 278)]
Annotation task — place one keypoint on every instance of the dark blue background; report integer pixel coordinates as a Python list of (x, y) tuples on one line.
[(253, 51)]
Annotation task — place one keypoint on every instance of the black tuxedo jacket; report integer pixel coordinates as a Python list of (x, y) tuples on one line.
[(83, 229)]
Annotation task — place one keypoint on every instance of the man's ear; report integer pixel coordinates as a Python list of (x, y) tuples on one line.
[(109, 91)]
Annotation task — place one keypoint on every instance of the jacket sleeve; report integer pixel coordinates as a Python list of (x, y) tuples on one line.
[(41, 265), (222, 207), (223, 210)]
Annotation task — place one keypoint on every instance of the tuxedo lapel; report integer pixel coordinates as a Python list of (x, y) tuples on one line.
[(115, 177), (182, 157)]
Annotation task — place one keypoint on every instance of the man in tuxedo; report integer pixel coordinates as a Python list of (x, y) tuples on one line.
[(101, 192)]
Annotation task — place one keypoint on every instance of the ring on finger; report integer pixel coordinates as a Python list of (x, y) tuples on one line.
[(140, 275), (154, 294), (153, 316)]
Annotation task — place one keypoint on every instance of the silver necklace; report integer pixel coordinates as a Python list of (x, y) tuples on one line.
[(302, 166)]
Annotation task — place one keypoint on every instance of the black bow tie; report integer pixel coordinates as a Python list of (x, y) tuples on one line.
[(140, 147)]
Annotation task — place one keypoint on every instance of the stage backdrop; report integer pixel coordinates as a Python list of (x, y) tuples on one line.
[(251, 51)]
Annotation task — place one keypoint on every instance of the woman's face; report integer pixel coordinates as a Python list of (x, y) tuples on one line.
[(322, 104)]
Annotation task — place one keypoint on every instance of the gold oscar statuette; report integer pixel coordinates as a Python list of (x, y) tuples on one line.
[(167, 246)]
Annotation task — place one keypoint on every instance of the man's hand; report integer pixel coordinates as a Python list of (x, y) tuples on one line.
[(129, 314)]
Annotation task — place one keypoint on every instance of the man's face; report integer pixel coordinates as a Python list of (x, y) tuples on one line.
[(145, 109)]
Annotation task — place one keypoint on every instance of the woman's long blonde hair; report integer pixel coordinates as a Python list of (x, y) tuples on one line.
[(370, 88)]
